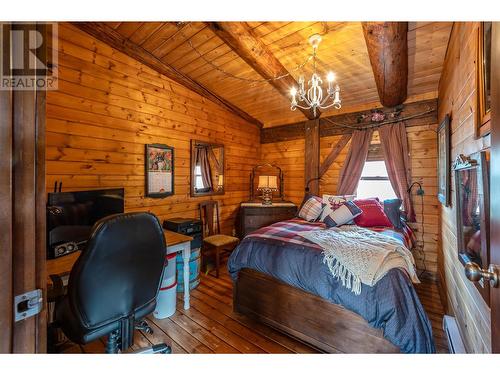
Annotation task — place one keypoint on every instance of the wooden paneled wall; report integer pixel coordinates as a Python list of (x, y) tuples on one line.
[(422, 142), (108, 106), (457, 97)]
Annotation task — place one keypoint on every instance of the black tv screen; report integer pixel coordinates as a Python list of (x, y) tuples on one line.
[(71, 215)]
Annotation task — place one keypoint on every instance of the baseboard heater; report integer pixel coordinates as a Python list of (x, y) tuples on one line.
[(455, 343)]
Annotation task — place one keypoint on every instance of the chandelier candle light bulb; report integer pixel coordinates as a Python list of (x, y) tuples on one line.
[(313, 98)]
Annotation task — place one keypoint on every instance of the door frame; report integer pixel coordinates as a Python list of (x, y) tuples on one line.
[(495, 183), (22, 210)]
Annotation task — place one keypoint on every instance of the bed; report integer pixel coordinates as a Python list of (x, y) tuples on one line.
[(280, 279)]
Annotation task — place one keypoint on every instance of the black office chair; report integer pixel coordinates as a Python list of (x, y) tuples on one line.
[(115, 282)]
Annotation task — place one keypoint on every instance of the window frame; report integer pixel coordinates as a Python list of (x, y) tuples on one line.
[(376, 178)]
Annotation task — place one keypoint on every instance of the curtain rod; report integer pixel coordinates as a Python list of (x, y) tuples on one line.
[(379, 124)]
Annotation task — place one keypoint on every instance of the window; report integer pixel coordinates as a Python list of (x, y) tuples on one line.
[(198, 180), (374, 182)]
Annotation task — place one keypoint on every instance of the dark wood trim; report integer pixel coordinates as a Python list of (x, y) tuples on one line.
[(387, 44), (6, 295), (309, 318), (243, 41), (495, 183), (359, 119), (108, 35), (22, 198), (334, 152), (311, 157), (40, 204)]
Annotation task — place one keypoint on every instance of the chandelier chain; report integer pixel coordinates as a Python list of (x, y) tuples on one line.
[(230, 75)]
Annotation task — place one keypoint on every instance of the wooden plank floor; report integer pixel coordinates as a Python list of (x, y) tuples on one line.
[(211, 326)]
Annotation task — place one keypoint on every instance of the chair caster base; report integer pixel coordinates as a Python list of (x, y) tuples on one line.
[(155, 349)]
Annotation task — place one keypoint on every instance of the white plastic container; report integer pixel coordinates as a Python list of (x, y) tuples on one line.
[(169, 271), (166, 301)]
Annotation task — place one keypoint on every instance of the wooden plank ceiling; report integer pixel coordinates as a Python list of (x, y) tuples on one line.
[(343, 50)]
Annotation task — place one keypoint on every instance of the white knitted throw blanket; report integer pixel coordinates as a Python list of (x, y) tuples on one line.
[(357, 255)]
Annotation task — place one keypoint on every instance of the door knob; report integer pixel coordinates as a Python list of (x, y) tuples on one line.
[(475, 273)]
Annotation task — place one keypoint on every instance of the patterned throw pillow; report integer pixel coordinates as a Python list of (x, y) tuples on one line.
[(332, 202), (311, 209), (373, 214), (342, 215)]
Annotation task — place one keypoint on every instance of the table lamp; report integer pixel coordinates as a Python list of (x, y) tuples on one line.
[(267, 184)]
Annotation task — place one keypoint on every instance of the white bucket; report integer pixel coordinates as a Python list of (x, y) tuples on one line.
[(166, 301), (169, 272)]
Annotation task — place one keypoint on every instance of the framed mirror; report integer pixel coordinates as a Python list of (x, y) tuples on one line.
[(207, 168), (484, 79), (472, 210)]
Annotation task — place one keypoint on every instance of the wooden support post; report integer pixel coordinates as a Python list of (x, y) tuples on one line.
[(334, 152), (311, 157)]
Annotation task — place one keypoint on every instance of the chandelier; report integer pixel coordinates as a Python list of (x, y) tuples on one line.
[(313, 98)]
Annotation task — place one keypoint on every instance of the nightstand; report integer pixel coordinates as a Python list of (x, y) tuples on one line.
[(253, 216)]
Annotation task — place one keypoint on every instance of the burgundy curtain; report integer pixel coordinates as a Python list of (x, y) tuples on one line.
[(204, 163), (397, 161), (354, 162)]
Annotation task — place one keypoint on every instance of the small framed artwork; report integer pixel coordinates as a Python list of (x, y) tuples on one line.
[(443, 136), (159, 171), (483, 79)]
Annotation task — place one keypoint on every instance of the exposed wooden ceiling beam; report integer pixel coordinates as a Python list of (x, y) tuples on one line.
[(243, 41), (387, 46), (108, 35)]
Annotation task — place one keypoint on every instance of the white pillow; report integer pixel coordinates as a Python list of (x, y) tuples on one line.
[(332, 202), (311, 209)]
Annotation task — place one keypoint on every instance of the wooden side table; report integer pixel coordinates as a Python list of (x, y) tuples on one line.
[(253, 216)]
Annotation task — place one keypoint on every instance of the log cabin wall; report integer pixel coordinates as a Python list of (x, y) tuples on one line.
[(457, 97), (108, 106), (423, 148)]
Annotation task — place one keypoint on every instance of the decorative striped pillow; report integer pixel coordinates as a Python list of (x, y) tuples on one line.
[(342, 215), (311, 209)]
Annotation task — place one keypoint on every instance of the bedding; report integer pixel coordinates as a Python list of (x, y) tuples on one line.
[(359, 256), (332, 202), (392, 208), (373, 214), (344, 214), (311, 209), (391, 304)]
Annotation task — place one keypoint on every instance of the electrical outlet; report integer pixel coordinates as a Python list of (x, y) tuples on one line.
[(420, 191)]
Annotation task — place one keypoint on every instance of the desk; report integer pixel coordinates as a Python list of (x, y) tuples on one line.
[(175, 242)]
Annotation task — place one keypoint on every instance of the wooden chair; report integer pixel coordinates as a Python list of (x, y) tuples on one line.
[(213, 241)]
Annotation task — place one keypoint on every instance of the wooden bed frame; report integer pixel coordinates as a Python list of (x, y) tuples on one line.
[(306, 317)]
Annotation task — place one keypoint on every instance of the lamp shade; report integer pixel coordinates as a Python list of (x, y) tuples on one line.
[(268, 182)]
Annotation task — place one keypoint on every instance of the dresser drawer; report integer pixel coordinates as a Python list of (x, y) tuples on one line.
[(255, 217)]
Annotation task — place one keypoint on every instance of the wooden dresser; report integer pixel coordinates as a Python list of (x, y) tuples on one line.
[(253, 216)]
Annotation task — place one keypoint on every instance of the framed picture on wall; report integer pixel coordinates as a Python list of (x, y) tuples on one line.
[(444, 161), (159, 171), (483, 88)]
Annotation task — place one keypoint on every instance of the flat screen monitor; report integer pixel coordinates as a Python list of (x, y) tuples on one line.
[(71, 215)]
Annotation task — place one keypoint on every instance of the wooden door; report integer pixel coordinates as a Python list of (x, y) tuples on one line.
[(22, 211), (495, 184)]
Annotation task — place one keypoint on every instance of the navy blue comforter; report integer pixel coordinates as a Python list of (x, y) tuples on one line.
[(392, 304)]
